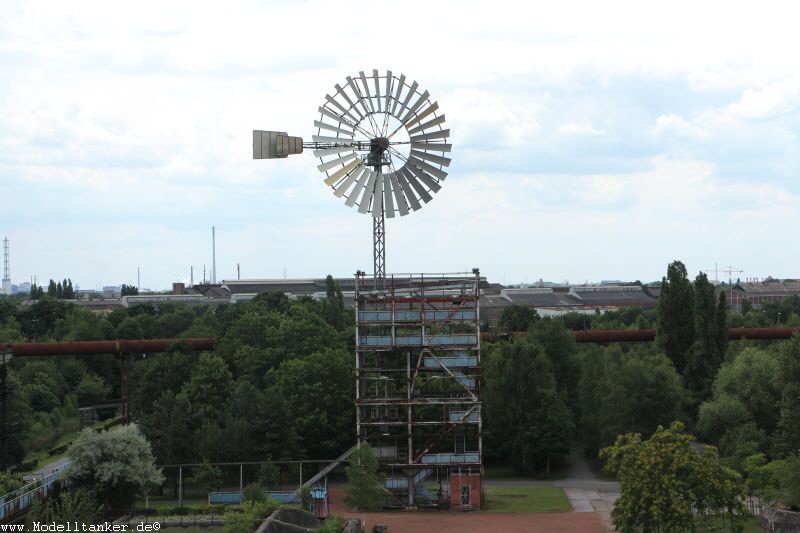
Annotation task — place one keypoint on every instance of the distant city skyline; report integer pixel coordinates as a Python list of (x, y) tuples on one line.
[(590, 141)]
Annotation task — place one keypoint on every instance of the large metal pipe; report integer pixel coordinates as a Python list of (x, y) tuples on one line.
[(648, 335), (115, 347)]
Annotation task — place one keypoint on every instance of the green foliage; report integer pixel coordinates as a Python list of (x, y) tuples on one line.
[(247, 519), (78, 505), (206, 476), (668, 485), (675, 331), (254, 493), (517, 318), (118, 465), (620, 392), (526, 415), (129, 328), (364, 490), (9, 482), (268, 475), (208, 386), (787, 436), (746, 391), (332, 524), (710, 339), (318, 392), (92, 389), (166, 428), (128, 290)]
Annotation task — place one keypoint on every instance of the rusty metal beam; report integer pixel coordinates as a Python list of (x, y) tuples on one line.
[(116, 347), (648, 335)]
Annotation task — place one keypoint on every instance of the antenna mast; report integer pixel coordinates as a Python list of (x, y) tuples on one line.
[(6, 269), (213, 256)]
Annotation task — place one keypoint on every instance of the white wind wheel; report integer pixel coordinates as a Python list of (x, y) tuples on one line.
[(381, 144)]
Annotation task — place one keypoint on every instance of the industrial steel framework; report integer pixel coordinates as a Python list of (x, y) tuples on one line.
[(418, 398)]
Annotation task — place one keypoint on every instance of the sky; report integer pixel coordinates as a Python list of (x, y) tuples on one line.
[(591, 140)]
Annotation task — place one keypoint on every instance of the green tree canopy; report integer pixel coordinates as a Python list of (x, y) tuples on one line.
[(666, 485), (117, 465), (364, 490), (675, 330)]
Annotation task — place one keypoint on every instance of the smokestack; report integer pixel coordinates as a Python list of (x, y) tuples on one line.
[(191, 276), (213, 256)]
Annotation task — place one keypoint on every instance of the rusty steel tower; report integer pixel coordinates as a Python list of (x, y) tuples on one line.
[(418, 395)]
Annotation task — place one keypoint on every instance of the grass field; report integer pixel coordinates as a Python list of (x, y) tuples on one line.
[(526, 500)]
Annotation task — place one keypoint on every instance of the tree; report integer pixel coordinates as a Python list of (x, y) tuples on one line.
[(117, 465), (675, 331), (527, 418), (704, 357), (787, 437), (318, 394), (129, 328), (334, 303), (91, 390), (517, 318), (70, 506), (668, 485), (746, 389), (128, 290), (619, 392), (209, 385), (167, 426), (206, 476), (364, 490)]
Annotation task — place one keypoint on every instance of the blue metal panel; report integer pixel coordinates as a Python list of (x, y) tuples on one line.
[(452, 362), (224, 497), (396, 483), (416, 340), (285, 497), (448, 458), (455, 416), (414, 316)]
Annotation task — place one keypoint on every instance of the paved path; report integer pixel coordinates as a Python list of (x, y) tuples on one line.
[(46, 470)]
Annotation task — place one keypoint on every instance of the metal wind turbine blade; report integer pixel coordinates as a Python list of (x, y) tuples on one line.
[(349, 102), (351, 178), (325, 126), (412, 199), (377, 89), (354, 87), (400, 84), (330, 151), (412, 180), (443, 134), (389, 80), (388, 203), (334, 140), (434, 147), (424, 178), (377, 197), (353, 197), (346, 113), (333, 163), (411, 92), (366, 90), (363, 204), (339, 174), (421, 100), (431, 123), (444, 161), (337, 118), (430, 169), (422, 114), (402, 206)]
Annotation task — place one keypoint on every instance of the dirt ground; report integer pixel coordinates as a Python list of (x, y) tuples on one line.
[(474, 522)]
